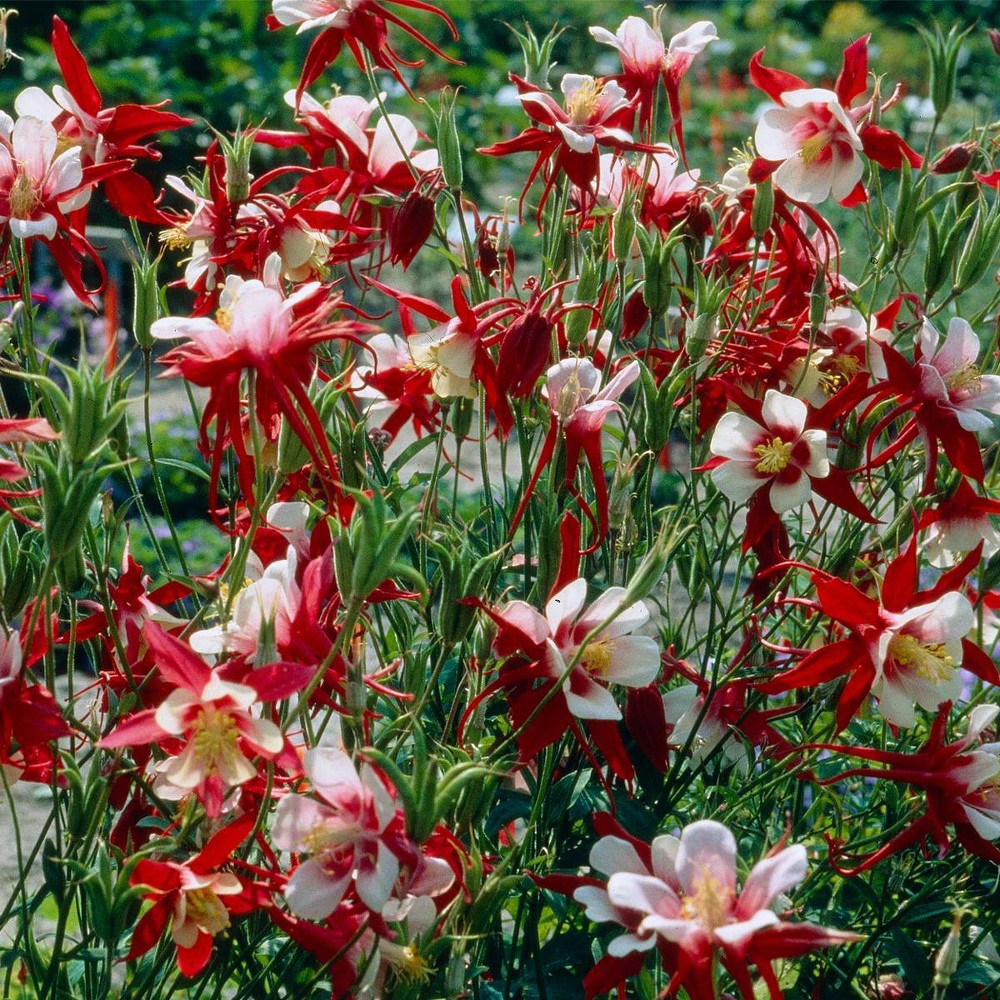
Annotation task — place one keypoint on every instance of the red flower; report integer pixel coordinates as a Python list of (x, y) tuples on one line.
[(961, 784), (358, 24), (194, 898), (597, 114), (906, 649)]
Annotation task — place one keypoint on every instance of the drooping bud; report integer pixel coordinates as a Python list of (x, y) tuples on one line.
[(955, 158), (411, 225), (994, 37), (525, 352)]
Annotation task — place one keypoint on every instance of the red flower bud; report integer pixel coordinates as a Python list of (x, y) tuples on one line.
[(994, 39), (634, 316), (410, 227), (955, 158), (524, 353)]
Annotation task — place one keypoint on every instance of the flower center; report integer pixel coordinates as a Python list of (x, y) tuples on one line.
[(23, 199), (205, 908), (710, 902), (325, 837), (813, 146), (928, 661), (837, 371), (773, 456), (966, 378), (224, 318), (569, 398), (582, 105), (215, 737), (597, 657), (175, 238), (406, 962)]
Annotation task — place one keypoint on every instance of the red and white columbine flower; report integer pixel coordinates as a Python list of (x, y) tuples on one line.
[(951, 378), (613, 655), (646, 59), (37, 184), (817, 142), (212, 716), (686, 898), (195, 899), (780, 453), (346, 835)]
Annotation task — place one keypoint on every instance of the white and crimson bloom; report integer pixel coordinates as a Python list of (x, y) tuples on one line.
[(905, 648), (683, 894), (951, 378), (212, 717), (346, 835), (613, 655), (194, 898), (778, 453), (817, 143), (646, 58), (38, 184)]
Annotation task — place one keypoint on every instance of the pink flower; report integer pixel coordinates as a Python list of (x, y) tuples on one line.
[(779, 453), (817, 143), (613, 655), (212, 717), (345, 835), (917, 657), (686, 902), (950, 377), (646, 59), (36, 185)]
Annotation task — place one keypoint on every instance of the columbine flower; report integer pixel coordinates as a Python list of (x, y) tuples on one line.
[(907, 650), (212, 716), (646, 59), (683, 898), (950, 377), (36, 185), (346, 836), (817, 142), (961, 782), (779, 453), (195, 899)]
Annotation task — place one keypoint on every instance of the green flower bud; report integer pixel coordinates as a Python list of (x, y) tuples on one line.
[(146, 307), (446, 136)]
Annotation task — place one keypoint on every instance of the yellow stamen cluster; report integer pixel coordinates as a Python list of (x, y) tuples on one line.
[(710, 902), (215, 736), (812, 147), (175, 238), (928, 661), (837, 371), (597, 657), (23, 199), (205, 908), (406, 962), (968, 377), (774, 456), (581, 106), (224, 318)]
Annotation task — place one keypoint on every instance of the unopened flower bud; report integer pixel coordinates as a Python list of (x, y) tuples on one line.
[(762, 213), (412, 224), (146, 306), (701, 331), (946, 960), (994, 37), (449, 148), (955, 158)]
